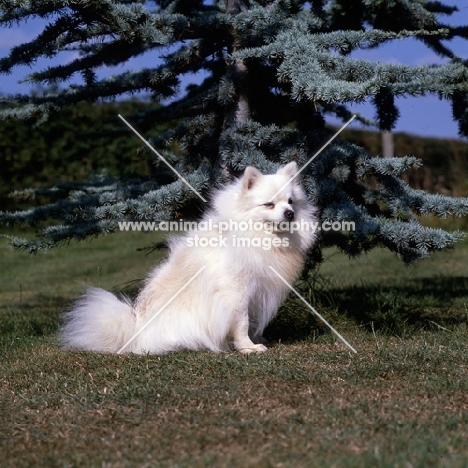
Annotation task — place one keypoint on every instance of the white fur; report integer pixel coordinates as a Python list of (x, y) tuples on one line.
[(229, 304)]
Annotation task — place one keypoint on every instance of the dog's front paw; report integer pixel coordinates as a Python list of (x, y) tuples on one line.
[(256, 348)]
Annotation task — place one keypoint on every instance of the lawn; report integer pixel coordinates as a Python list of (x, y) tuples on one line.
[(401, 401)]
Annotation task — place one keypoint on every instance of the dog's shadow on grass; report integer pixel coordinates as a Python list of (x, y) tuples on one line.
[(422, 303)]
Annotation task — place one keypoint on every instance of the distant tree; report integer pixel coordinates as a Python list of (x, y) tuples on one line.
[(273, 72)]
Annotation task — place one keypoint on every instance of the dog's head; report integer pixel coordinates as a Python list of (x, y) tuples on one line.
[(274, 198), (268, 204)]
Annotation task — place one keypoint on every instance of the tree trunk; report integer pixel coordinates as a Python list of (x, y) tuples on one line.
[(387, 144), (239, 111)]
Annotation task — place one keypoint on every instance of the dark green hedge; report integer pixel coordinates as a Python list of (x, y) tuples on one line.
[(73, 144), (91, 138)]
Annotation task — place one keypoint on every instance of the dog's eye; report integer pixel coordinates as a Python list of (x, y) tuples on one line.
[(290, 201), (269, 205)]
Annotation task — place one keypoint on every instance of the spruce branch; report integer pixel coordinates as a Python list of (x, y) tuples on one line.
[(271, 73)]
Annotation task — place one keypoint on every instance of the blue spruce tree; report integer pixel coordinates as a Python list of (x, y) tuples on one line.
[(274, 71)]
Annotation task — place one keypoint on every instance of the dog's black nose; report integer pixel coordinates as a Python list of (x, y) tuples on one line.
[(289, 214)]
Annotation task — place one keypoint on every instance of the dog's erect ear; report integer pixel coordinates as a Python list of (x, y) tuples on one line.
[(289, 170), (251, 176)]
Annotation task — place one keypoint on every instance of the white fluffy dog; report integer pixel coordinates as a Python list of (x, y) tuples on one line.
[(216, 290)]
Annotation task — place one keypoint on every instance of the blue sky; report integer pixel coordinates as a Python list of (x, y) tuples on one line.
[(426, 116)]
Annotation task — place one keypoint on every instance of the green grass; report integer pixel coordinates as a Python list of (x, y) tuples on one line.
[(308, 402)]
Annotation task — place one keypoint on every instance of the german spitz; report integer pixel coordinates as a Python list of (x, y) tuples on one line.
[(223, 280)]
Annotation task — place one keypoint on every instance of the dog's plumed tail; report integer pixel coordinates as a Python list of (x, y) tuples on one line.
[(99, 321)]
